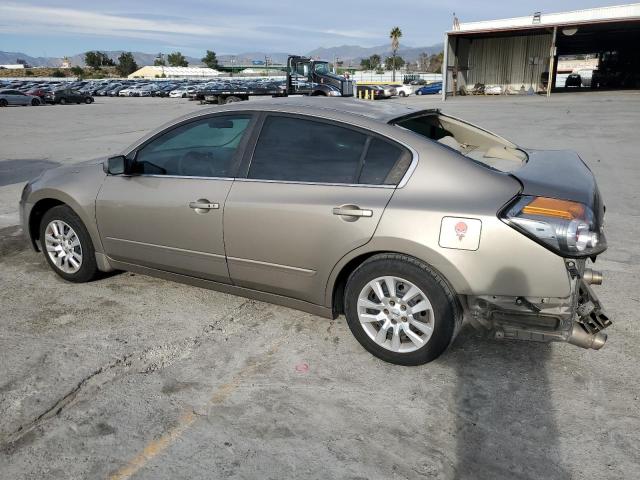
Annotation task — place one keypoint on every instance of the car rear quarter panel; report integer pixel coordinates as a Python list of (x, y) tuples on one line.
[(446, 184)]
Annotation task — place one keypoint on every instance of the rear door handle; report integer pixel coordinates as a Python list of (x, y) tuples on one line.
[(204, 205), (352, 211)]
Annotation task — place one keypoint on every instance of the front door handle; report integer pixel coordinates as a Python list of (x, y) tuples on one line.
[(352, 211), (203, 204)]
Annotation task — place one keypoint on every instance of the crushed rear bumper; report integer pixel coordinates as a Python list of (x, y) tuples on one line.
[(578, 319)]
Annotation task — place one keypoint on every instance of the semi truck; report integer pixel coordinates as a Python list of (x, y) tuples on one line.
[(304, 76)]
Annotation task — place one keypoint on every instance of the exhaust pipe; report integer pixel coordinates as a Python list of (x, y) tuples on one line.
[(581, 338), (592, 277)]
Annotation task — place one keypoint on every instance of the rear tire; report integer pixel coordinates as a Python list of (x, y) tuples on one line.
[(3, 102), (66, 245), (35, 102), (232, 99), (403, 94), (422, 310)]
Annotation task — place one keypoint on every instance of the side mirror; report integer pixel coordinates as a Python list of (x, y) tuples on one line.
[(117, 165)]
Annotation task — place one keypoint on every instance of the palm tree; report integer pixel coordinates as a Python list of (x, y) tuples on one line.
[(395, 35)]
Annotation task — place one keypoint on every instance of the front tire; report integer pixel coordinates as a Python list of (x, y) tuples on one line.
[(67, 246), (35, 102), (62, 101), (400, 309)]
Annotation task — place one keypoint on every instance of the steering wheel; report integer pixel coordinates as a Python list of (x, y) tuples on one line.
[(197, 164)]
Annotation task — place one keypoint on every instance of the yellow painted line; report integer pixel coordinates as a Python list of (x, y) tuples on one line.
[(156, 447)]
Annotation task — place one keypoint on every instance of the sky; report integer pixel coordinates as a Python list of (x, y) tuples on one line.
[(66, 27)]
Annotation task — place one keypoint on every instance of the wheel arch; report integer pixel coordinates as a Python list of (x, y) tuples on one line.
[(38, 210), (47, 198), (321, 91), (334, 294)]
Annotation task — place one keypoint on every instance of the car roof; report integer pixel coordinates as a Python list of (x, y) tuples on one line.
[(381, 111), (341, 109)]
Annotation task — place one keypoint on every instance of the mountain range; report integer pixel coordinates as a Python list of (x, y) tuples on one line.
[(349, 54)]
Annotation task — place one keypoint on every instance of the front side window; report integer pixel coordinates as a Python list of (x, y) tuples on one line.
[(204, 148), (301, 150)]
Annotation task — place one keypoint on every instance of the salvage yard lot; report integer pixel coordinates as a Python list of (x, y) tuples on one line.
[(135, 377)]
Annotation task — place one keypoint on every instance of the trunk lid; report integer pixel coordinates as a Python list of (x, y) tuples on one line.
[(563, 175)]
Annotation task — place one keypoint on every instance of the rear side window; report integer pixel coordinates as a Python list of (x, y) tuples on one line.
[(301, 150), (293, 149), (382, 163)]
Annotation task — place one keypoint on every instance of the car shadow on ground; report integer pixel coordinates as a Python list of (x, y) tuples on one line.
[(505, 416), (16, 171)]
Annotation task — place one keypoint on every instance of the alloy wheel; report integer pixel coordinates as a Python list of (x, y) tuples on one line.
[(395, 314), (63, 246)]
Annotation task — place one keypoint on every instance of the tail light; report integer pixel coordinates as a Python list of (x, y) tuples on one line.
[(564, 227)]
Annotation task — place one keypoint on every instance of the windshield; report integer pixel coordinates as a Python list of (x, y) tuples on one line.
[(321, 68)]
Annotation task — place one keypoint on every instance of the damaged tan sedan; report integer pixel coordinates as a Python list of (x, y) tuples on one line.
[(407, 221)]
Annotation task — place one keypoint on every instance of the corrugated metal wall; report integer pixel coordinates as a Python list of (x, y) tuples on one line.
[(507, 61)]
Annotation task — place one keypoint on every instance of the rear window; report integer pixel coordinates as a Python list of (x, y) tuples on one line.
[(468, 140)]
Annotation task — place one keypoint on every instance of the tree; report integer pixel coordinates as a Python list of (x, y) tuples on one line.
[(423, 62), (57, 73), (435, 63), (96, 59), (375, 61), (210, 59), (371, 63), (176, 59), (395, 35), (126, 64), (159, 62), (77, 71), (391, 63)]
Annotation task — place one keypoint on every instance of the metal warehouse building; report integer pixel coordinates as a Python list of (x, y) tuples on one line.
[(175, 72), (520, 54)]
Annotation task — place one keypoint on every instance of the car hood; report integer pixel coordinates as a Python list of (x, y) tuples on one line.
[(62, 170)]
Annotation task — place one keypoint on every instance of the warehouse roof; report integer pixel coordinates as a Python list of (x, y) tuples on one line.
[(541, 20), (175, 72)]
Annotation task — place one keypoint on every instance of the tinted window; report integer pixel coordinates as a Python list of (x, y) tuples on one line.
[(204, 148), (379, 163), (294, 149)]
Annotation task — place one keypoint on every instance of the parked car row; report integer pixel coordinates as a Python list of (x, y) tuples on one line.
[(62, 97), (39, 93), (385, 91)]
